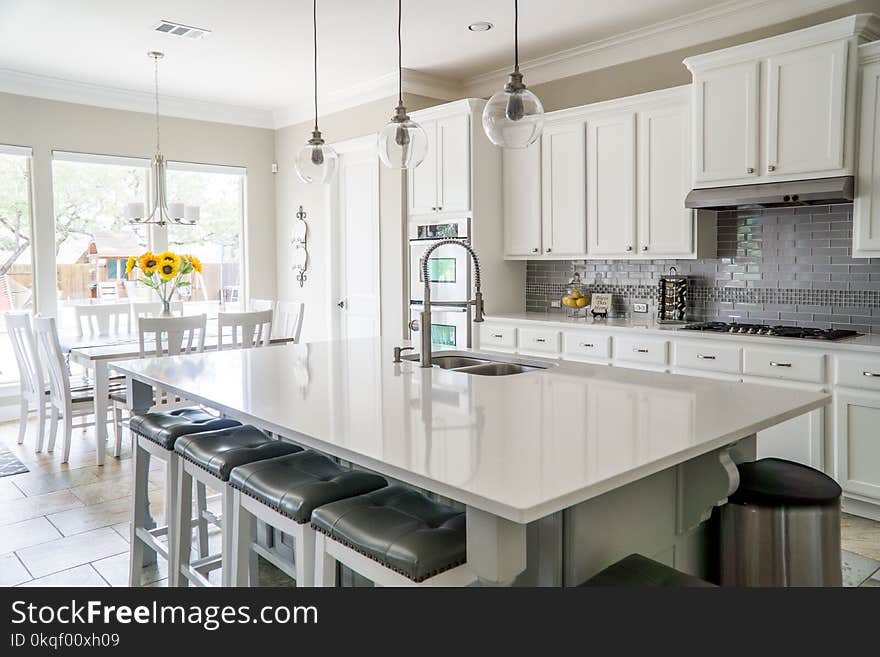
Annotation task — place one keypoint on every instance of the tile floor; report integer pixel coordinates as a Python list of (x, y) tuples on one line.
[(67, 525)]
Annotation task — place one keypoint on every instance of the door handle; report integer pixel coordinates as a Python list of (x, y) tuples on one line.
[(702, 357), (775, 364), (540, 340), (587, 345), (870, 374), (640, 351)]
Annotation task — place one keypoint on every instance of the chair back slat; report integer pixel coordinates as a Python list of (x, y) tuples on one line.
[(172, 336), (98, 319), (246, 330), (288, 321), (152, 309), (46, 331), (261, 304), (30, 369)]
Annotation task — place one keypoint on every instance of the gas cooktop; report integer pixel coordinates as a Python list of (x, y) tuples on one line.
[(778, 331)]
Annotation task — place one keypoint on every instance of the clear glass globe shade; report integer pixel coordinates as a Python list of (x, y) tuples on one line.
[(402, 145), (513, 119), (316, 163)]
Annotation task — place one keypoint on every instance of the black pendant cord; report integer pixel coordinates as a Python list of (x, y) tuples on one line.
[(516, 35), (399, 53), (315, 44)]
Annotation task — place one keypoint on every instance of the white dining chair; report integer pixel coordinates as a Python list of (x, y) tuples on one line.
[(245, 330), (99, 319), (32, 384), (66, 403), (261, 304), (289, 319), (108, 291)]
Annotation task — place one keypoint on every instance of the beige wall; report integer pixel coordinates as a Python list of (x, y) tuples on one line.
[(666, 70), (47, 125), (290, 193)]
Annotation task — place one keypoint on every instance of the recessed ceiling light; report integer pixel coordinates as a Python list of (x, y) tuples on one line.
[(481, 26)]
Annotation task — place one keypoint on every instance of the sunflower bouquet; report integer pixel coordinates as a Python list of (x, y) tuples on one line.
[(164, 272)]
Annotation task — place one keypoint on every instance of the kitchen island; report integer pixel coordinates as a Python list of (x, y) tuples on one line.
[(562, 469)]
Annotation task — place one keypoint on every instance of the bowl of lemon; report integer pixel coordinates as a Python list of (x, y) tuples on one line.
[(574, 298)]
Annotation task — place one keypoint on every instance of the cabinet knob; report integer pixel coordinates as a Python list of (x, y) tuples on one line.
[(772, 167), (629, 247), (750, 170), (549, 250), (535, 250), (434, 209), (439, 207), (645, 248)]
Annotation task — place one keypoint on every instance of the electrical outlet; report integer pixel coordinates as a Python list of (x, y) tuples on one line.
[(555, 304), (640, 307)]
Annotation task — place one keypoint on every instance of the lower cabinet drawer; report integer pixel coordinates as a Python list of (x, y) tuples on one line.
[(858, 372), (702, 356), (641, 350), (497, 335), (586, 345), (545, 341), (786, 364)]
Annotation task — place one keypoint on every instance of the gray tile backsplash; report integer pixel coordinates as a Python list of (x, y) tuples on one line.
[(786, 265)]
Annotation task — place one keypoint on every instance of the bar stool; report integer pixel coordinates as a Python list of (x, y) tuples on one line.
[(209, 459), (639, 571), (154, 434), (283, 492), (394, 536)]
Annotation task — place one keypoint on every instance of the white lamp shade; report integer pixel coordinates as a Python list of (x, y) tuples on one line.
[(192, 213), (134, 211), (176, 210)]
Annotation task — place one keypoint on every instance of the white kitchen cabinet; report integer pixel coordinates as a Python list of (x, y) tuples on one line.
[(858, 443), (521, 171), (866, 208), (726, 101), (778, 109), (441, 183), (611, 185), (665, 227), (563, 190), (806, 95)]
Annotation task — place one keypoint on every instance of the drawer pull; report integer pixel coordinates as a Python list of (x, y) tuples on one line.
[(497, 335), (540, 340), (773, 363), (870, 374), (702, 357), (587, 345), (639, 350)]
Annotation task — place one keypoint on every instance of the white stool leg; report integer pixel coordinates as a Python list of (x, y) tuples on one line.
[(201, 507), (304, 556), (117, 429), (138, 514), (244, 559), (325, 565), (227, 536), (180, 551)]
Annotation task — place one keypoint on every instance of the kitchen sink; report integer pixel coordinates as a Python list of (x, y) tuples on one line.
[(480, 364)]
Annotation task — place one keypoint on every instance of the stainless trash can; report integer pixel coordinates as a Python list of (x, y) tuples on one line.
[(781, 527)]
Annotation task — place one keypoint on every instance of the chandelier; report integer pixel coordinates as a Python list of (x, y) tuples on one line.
[(160, 211)]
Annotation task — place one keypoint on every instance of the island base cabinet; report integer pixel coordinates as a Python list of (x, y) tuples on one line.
[(857, 434)]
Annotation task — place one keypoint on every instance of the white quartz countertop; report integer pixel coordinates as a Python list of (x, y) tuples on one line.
[(868, 342), (520, 447)]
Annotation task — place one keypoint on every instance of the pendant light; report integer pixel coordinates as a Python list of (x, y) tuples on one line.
[(514, 117), (316, 162), (402, 143)]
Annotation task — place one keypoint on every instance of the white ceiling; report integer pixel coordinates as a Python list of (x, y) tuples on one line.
[(259, 55)]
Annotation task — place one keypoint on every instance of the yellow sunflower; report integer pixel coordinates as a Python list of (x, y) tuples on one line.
[(168, 269), (195, 262), (167, 257), (129, 264), (148, 263)]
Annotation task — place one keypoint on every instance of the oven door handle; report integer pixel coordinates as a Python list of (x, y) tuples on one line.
[(438, 308)]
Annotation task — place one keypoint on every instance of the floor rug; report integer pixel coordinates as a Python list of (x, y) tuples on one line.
[(9, 465)]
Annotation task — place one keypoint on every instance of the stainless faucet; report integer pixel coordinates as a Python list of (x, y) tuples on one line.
[(425, 324)]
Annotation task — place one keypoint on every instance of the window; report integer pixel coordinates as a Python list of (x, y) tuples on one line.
[(16, 261), (216, 238), (91, 234)]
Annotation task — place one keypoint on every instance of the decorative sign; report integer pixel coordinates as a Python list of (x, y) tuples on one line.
[(601, 304), (299, 241)]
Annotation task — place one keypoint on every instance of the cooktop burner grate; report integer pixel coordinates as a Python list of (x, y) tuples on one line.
[(776, 331)]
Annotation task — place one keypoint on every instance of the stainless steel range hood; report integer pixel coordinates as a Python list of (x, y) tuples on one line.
[(822, 191)]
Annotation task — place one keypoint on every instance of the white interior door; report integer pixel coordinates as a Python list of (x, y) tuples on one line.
[(356, 198)]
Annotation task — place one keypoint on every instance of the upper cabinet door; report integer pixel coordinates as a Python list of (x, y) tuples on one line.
[(453, 167), (866, 209), (666, 227), (726, 123), (611, 186), (522, 200), (423, 179), (563, 192), (806, 92)]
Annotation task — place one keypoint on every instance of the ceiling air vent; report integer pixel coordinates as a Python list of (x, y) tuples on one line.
[(178, 29)]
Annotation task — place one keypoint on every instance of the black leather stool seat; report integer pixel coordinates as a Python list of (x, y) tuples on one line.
[(776, 482), (400, 528), (220, 451), (638, 571), (165, 427), (297, 484)]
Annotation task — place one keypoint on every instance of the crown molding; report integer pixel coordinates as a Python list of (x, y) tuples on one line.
[(82, 93), (726, 20), (413, 82)]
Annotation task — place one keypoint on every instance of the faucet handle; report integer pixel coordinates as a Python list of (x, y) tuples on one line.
[(398, 351)]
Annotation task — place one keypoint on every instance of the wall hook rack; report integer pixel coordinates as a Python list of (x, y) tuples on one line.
[(299, 241)]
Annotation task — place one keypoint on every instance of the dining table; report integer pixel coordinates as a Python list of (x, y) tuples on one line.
[(96, 354)]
